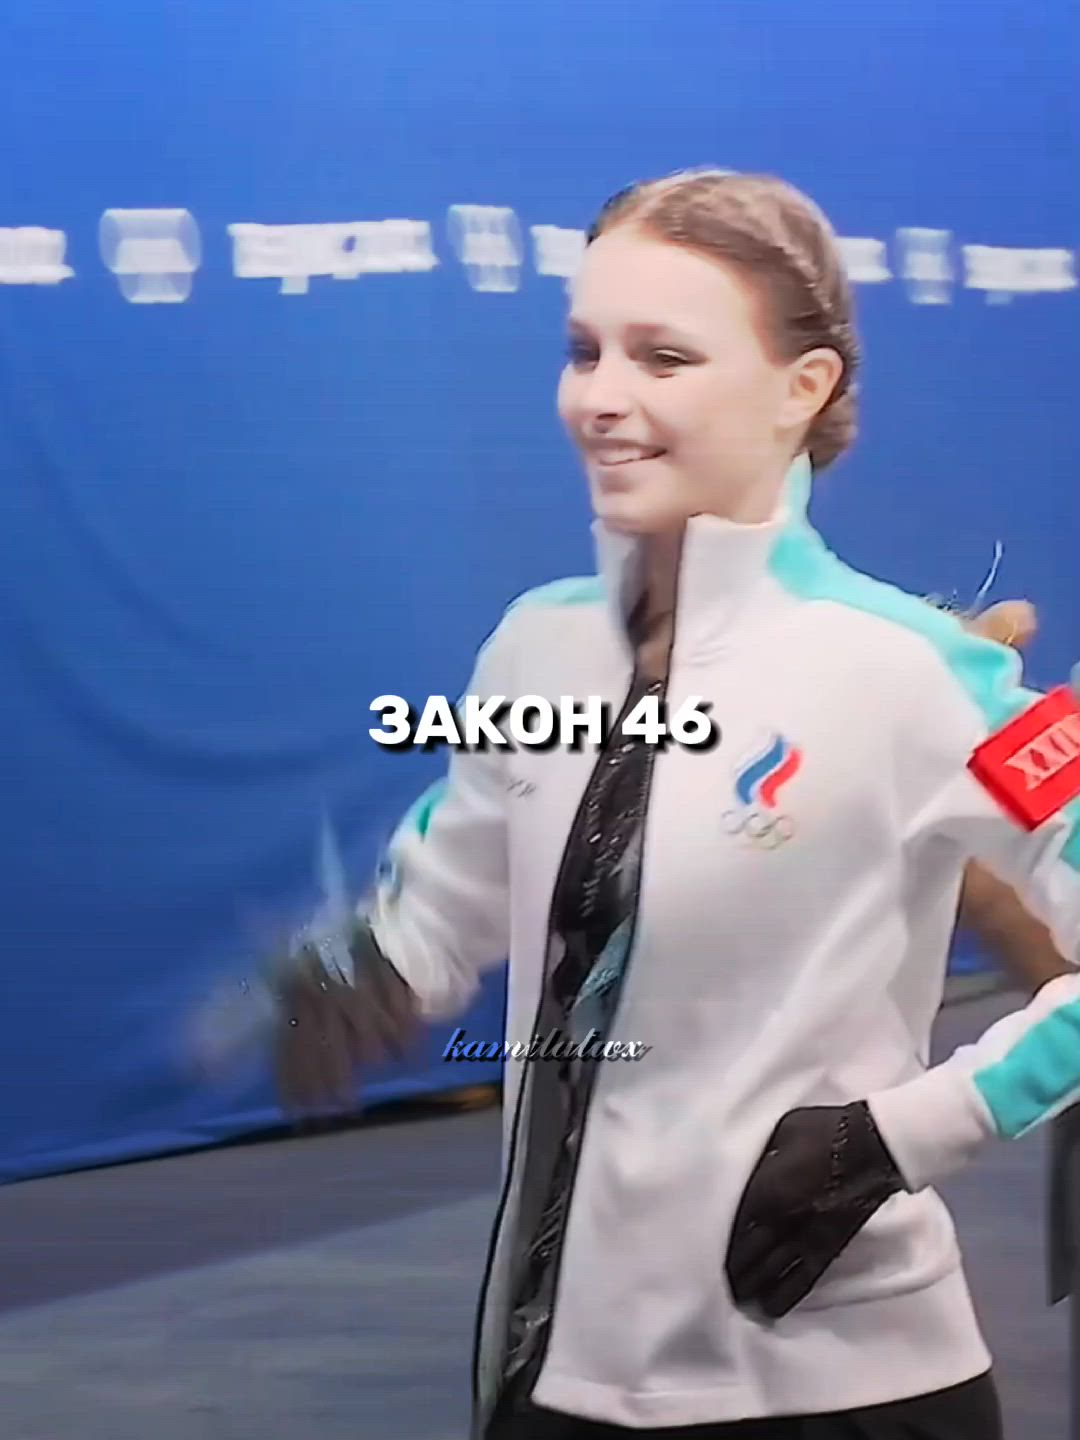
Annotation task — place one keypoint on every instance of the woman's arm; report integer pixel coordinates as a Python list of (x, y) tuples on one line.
[(1022, 945), (436, 920), (440, 910), (995, 776)]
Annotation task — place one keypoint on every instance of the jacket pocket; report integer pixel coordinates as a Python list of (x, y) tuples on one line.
[(905, 1246)]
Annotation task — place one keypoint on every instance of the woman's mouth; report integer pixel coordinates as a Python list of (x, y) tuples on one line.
[(611, 457)]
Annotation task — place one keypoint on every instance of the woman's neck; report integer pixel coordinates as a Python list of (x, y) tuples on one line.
[(655, 616), (662, 555)]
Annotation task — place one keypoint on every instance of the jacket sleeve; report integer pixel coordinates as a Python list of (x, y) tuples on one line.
[(990, 732), (439, 911)]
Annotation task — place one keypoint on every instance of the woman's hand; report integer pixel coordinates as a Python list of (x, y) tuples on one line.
[(824, 1172), (1009, 622), (327, 1027)]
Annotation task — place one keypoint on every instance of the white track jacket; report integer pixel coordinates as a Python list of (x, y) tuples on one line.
[(798, 892)]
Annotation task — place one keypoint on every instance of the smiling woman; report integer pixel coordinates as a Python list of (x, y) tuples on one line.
[(711, 330), (738, 1236)]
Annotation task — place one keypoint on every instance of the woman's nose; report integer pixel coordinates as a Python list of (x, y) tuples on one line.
[(606, 392)]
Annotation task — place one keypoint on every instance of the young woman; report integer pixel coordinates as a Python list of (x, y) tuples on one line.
[(735, 1234)]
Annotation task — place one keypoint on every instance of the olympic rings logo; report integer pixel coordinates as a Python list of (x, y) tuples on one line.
[(758, 828)]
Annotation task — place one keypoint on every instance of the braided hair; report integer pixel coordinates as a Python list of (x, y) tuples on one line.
[(773, 233)]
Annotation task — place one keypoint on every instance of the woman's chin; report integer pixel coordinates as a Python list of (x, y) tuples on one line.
[(626, 515)]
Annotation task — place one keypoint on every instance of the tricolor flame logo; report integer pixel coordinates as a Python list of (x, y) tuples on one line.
[(761, 779)]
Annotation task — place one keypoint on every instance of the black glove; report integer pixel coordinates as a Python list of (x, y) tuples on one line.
[(824, 1172), (327, 1027)]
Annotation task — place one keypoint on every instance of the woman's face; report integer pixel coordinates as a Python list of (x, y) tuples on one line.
[(670, 392)]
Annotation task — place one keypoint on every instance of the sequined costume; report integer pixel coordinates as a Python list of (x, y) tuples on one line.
[(592, 922)]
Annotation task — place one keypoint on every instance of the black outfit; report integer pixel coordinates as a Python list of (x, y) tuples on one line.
[(962, 1412), (592, 919)]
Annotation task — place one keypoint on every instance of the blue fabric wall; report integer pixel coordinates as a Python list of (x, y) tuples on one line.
[(230, 520)]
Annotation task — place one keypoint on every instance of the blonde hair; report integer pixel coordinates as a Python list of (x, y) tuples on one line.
[(783, 242)]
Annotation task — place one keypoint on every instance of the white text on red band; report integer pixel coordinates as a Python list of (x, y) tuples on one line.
[(1042, 758)]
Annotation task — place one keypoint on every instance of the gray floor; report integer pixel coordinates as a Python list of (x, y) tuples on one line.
[(324, 1287)]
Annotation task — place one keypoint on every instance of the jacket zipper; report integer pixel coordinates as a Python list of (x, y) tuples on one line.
[(541, 1356), (516, 1127), (493, 1245)]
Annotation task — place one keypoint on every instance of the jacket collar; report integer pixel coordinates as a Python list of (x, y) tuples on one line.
[(722, 561)]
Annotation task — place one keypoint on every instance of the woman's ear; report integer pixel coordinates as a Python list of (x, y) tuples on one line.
[(1009, 622), (812, 380)]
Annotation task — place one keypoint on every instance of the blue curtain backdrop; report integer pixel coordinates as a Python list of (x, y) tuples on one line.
[(235, 509)]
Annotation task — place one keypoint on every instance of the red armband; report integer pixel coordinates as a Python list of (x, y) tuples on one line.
[(1032, 765)]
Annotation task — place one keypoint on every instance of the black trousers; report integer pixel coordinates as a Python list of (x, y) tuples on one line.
[(963, 1412)]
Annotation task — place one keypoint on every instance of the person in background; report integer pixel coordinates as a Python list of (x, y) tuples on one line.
[(1020, 943)]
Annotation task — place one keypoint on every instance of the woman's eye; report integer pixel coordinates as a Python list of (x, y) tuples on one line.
[(580, 354)]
